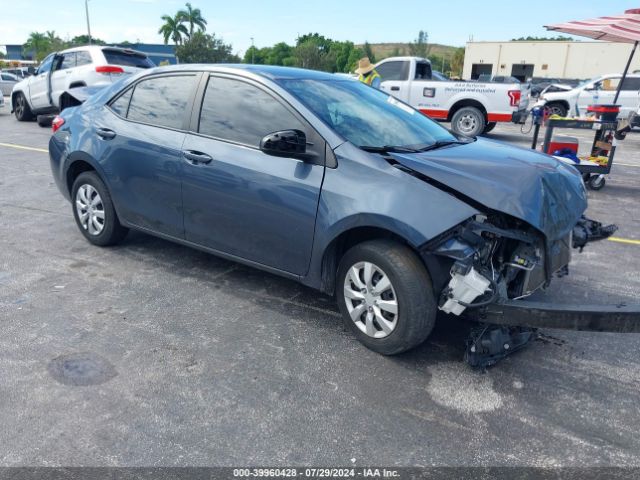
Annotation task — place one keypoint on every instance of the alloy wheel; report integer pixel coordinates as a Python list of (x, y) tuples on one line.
[(19, 105), (371, 300), (90, 209)]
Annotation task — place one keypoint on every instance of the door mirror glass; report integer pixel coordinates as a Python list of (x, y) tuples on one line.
[(284, 143), (31, 70)]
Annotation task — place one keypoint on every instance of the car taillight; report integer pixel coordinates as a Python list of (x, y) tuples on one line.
[(109, 69), (514, 97), (57, 123)]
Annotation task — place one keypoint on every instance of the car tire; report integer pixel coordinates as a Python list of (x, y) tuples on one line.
[(45, 120), (489, 126), (468, 121), (94, 212), (408, 315), (556, 108), (22, 109)]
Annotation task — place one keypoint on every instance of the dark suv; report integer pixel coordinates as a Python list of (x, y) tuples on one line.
[(324, 180)]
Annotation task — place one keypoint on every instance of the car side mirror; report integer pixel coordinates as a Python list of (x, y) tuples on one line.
[(31, 70), (285, 143)]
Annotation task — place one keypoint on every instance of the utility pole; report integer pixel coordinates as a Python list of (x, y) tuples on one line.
[(253, 52), (86, 7)]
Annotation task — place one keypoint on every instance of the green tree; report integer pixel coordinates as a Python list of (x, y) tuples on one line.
[(280, 54), (368, 52), (37, 46), (457, 62), (192, 16), (420, 47), (80, 40), (173, 29), (256, 55), (55, 42), (559, 38), (205, 48)]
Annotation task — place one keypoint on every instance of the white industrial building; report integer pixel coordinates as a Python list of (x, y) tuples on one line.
[(550, 59)]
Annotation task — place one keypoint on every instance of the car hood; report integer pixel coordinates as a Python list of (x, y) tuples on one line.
[(525, 184)]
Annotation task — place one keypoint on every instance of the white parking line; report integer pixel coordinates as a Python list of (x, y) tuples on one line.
[(22, 147)]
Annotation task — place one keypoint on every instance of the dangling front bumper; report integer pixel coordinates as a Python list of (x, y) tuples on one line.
[(621, 318)]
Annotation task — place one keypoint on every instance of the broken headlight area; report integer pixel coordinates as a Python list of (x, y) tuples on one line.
[(499, 257)]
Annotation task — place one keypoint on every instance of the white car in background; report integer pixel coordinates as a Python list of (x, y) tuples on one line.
[(7, 82), (46, 91), (600, 90)]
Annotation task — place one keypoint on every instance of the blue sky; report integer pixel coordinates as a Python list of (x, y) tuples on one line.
[(270, 21)]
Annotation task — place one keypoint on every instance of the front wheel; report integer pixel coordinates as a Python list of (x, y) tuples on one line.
[(22, 109), (468, 121), (385, 295)]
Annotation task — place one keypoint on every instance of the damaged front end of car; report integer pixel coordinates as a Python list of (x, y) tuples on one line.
[(496, 261), (532, 217)]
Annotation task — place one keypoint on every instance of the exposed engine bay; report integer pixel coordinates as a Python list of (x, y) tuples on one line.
[(497, 258)]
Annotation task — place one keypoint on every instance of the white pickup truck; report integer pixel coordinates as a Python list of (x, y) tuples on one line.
[(471, 107)]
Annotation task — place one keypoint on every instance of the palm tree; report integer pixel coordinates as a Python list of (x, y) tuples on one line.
[(192, 16), (173, 29), (37, 44)]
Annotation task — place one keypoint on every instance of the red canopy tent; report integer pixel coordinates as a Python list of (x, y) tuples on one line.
[(623, 28)]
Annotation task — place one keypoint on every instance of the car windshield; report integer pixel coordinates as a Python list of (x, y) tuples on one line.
[(365, 116)]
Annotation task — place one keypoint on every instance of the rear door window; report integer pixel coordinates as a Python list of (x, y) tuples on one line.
[(121, 104), (631, 84), (161, 101), (127, 58), (83, 58), (68, 61), (239, 112)]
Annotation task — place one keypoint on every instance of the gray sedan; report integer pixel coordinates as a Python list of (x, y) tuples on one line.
[(7, 81)]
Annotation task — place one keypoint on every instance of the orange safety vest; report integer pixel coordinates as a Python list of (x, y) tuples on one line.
[(369, 80)]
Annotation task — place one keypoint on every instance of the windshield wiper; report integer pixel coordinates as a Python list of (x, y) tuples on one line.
[(389, 148), (442, 143)]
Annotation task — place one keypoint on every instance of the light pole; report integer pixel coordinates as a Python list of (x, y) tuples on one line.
[(86, 7), (253, 52)]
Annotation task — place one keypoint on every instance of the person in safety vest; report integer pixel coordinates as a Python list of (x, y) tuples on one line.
[(368, 73)]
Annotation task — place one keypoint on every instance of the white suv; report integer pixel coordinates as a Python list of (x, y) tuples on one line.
[(44, 92)]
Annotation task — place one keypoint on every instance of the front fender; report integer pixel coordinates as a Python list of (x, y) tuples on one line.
[(366, 191)]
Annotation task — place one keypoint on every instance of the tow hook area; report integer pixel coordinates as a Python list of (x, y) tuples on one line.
[(488, 344)]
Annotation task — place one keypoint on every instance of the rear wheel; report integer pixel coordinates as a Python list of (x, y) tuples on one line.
[(556, 109), (385, 295), (490, 126), (22, 109), (468, 121), (93, 210)]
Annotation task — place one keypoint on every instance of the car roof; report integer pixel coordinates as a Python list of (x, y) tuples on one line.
[(271, 72), (99, 48)]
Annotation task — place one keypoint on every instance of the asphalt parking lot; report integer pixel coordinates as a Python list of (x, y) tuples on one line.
[(206, 362)]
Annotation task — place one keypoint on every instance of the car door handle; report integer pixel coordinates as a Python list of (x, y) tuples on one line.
[(196, 158), (106, 133), (395, 89)]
